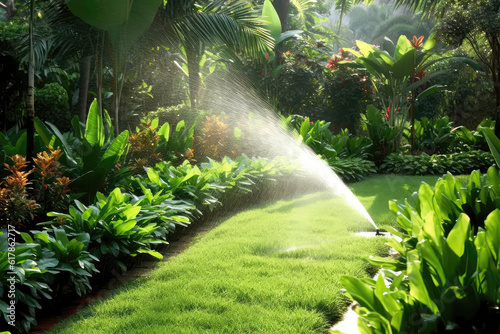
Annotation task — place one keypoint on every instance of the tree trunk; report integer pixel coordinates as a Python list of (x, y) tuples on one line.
[(193, 62), (30, 97), (83, 86), (412, 122), (495, 70), (281, 7), (10, 9)]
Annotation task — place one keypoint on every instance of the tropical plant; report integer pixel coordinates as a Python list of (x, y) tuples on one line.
[(125, 22), (433, 136), (216, 139), (90, 154), (400, 79), (196, 24), (23, 280), (451, 283), (176, 145), (493, 143), (16, 206), (380, 133), (66, 258), (144, 145), (448, 277)]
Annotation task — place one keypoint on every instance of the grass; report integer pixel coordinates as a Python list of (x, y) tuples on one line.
[(273, 269)]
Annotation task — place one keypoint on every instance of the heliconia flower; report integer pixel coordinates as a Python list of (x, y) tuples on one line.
[(341, 51), (417, 42), (267, 56), (342, 78)]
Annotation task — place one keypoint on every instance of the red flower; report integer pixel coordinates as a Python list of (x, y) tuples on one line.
[(267, 56), (417, 42), (387, 113)]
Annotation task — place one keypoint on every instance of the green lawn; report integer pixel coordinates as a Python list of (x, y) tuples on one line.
[(273, 269)]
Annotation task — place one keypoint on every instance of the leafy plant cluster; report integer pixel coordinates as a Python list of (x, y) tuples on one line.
[(436, 164), (347, 155), (446, 276)]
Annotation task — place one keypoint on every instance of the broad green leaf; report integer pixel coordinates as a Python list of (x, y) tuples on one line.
[(418, 285), (492, 224), (270, 16), (153, 176), (430, 90), (164, 132), (360, 291), (405, 65), (102, 14), (287, 35), (458, 235), (48, 138), (150, 252), (402, 47), (94, 130), (138, 17), (114, 151), (493, 143)]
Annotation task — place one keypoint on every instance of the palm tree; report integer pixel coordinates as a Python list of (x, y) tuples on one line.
[(194, 24)]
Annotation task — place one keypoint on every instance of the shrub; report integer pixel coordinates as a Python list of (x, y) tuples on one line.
[(29, 277), (90, 153), (52, 105), (423, 164), (216, 139), (114, 225), (352, 169), (143, 147)]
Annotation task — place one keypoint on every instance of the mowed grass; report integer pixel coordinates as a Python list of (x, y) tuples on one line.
[(273, 269)]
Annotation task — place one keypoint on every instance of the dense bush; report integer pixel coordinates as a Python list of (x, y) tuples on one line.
[(437, 164), (448, 262), (352, 169), (346, 154), (52, 105)]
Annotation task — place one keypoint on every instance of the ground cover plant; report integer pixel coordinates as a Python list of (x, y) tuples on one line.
[(275, 268)]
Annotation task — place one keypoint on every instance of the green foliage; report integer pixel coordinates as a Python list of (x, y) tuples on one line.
[(380, 132), (59, 254), (115, 226), (424, 164), (352, 169), (176, 145), (432, 136), (344, 153), (37, 266), (449, 263), (493, 143), (52, 105), (205, 185), (23, 280), (90, 154)]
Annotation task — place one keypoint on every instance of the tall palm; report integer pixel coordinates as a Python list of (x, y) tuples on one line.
[(195, 24)]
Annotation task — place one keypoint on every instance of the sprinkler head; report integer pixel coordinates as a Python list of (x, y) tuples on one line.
[(377, 232)]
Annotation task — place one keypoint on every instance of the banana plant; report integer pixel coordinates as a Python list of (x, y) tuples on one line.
[(91, 155), (125, 21)]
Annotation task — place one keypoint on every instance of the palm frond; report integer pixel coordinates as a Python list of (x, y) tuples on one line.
[(235, 25)]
